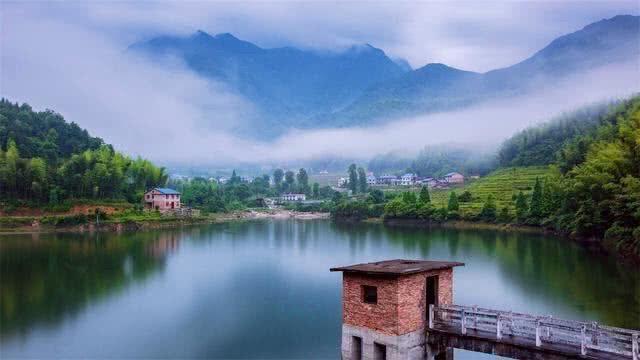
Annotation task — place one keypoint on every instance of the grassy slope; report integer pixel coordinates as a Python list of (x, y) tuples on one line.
[(502, 183)]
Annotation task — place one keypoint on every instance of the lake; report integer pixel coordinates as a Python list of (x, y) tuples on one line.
[(262, 289)]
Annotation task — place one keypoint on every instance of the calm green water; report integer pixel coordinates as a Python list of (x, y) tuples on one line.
[(264, 290)]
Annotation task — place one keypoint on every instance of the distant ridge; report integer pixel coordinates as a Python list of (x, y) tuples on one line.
[(294, 88), (289, 85)]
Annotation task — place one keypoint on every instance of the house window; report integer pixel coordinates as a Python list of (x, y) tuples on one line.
[(370, 294)]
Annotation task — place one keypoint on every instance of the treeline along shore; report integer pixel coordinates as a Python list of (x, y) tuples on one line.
[(577, 175)]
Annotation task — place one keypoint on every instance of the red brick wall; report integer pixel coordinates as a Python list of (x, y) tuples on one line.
[(401, 301), (382, 316), (412, 308)]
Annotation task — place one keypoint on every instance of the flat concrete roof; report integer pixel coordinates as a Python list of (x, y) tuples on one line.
[(397, 267)]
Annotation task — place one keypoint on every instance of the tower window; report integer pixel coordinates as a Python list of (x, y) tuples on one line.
[(370, 294)]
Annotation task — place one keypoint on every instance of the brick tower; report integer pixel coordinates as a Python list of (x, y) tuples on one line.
[(385, 306)]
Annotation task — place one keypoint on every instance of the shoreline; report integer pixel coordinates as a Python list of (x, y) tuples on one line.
[(591, 244), (282, 214), (170, 222)]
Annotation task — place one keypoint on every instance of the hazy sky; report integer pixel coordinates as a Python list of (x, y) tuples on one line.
[(68, 56)]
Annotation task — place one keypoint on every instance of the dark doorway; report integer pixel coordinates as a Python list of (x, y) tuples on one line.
[(379, 351), (432, 292), (356, 348)]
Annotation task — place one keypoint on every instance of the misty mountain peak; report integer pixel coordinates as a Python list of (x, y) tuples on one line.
[(438, 67), (226, 37)]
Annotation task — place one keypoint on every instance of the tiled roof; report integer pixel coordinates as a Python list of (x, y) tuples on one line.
[(167, 191), (398, 267)]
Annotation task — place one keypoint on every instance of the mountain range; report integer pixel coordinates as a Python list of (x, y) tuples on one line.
[(296, 88)]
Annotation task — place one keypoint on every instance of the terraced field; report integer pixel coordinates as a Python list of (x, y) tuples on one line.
[(502, 183)]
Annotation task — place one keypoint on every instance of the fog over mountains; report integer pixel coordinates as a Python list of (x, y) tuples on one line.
[(309, 89)]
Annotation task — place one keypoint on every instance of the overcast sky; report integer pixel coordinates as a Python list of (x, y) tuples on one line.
[(472, 35), (68, 56)]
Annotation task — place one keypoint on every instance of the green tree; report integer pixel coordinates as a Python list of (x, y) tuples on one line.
[(504, 216), (353, 178), (316, 190), (409, 197), (278, 175), (465, 197), (521, 207), (425, 197), (535, 207), (489, 209), (362, 180), (453, 202), (303, 181), (11, 165), (289, 181), (235, 179), (376, 196)]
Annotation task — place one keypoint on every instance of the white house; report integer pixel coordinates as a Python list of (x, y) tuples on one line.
[(454, 178), (408, 179), (371, 180), (342, 182), (293, 197), (388, 180)]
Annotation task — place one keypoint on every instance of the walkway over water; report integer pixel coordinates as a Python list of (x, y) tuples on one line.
[(524, 336)]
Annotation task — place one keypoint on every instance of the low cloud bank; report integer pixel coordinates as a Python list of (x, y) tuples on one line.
[(168, 114)]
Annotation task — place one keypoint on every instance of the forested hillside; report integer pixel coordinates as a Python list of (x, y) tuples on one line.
[(589, 187), (601, 194), (541, 145), (44, 159)]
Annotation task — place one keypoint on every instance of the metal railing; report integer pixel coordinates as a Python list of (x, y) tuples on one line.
[(539, 330)]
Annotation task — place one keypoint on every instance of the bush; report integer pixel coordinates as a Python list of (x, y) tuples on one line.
[(505, 216), (440, 215), (352, 210), (376, 210), (465, 197), (453, 215)]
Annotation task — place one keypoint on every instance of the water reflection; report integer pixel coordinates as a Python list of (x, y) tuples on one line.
[(205, 291)]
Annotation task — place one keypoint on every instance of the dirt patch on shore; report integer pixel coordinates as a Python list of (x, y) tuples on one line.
[(73, 210), (284, 214)]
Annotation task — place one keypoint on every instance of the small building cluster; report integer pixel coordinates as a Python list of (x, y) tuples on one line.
[(289, 197), (409, 179)]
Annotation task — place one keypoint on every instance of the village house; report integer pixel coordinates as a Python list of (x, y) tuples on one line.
[(454, 178), (342, 182), (428, 181), (388, 180), (408, 179), (371, 179), (293, 197), (162, 199)]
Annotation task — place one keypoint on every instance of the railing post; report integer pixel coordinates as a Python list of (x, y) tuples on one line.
[(475, 317), (635, 347), (431, 313), (498, 328), (463, 323), (594, 335), (538, 340), (583, 342)]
